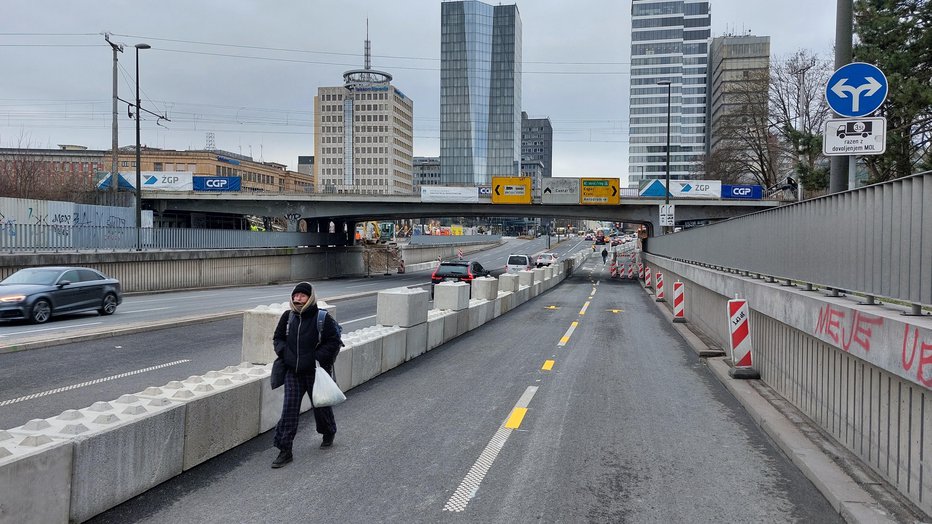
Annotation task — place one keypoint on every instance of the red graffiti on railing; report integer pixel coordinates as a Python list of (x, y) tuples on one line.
[(861, 328), (925, 357)]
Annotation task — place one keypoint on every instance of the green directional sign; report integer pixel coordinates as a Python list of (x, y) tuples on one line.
[(599, 191)]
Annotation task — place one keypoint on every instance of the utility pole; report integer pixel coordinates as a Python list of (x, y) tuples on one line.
[(114, 172), (844, 27)]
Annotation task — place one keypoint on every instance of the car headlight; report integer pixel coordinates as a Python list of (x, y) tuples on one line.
[(13, 298)]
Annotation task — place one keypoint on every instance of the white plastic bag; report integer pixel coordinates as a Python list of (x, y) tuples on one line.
[(326, 392)]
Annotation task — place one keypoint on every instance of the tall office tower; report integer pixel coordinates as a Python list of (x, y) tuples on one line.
[(537, 142), (669, 42), (480, 92), (363, 135), (739, 73)]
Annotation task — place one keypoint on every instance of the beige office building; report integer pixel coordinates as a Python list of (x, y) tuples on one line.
[(374, 155)]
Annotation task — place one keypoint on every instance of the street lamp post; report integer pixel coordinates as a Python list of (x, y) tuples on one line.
[(138, 156), (666, 196)]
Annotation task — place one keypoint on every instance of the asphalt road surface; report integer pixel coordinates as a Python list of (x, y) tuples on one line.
[(44, 382), (146, 309), (626, 426)]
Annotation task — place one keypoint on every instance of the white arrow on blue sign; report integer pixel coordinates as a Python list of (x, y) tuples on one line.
[(856, 89)]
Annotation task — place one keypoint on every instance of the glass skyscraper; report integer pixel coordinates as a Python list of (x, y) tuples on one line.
[(480, 92), (669, 42)]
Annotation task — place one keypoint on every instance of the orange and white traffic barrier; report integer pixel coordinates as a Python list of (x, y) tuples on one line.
[(647, 282), (679, 302), (739, 323), (613, 269), (640, 270), (401, 266), (631, 271), (661, 296)]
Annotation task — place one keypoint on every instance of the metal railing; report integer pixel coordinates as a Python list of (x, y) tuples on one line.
[(26, 238), (441, 240), (876, 241)]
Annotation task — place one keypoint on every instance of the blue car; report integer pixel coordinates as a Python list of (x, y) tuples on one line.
[(37, 294)]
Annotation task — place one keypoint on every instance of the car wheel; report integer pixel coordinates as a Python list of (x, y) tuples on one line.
[(41, 312), (109, 306)]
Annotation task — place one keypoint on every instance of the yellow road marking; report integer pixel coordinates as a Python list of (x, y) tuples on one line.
[(568, 334), (517, 415), (552, 307), (616, 310), (584, 308), (548, 365)]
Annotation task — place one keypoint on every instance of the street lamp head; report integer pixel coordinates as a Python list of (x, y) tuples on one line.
[(664, 83), (143, 46)]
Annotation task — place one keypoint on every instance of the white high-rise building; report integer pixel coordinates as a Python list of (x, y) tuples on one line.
[(363, 135), (669, 43)]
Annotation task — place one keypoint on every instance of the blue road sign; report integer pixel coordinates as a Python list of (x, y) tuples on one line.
[(856, 89)]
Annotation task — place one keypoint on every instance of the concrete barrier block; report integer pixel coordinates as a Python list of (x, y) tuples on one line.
[(416, 341), (213, 402), (35, 478), (258, 327), (522, 295), (127, 450), (452, 323), (343, 369), (508, 282), (366, 355), (525, 278), (539, 274), (548, 272), (496, 308), (435, 321), (478, 313), (451, 295), (394, 345), (506, 299), (462, 322), (402, 307), (270, 400), (485, 288)]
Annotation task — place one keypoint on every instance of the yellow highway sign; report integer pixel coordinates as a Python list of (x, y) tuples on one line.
[(600, 191), (511, 190)]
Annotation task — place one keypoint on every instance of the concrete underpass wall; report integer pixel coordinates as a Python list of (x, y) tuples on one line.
[(861, 373), (167, 270)]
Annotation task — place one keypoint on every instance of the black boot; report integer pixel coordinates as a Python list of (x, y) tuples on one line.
[(284, 457), (328, 440)]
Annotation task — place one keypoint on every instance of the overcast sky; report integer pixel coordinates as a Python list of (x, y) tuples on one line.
[(248, 70)]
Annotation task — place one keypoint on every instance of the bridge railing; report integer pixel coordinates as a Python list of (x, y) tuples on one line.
[(45, 238), (875, 240)]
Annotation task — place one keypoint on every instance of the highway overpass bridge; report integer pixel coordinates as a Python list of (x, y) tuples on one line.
[(316, 209)]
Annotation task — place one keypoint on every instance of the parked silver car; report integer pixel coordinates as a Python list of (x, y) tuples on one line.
[(38, 293)]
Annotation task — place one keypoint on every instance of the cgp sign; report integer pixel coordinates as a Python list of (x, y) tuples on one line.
[(742, 192), (217, 183)]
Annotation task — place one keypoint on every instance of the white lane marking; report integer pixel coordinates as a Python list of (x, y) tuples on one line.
[(567, 335), (277, 295), (357, 320), (358, 285), (69, 326), (470, 484), (91, 382), (145, 310)]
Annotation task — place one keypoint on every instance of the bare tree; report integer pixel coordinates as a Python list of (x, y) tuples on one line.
[(798, 112), (22, 175)]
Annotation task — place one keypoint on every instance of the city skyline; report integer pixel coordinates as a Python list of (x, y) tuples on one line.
[(257, 97)]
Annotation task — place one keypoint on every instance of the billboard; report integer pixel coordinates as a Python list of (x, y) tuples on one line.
[(742, 192), (217, 183), (682, 189), (162, 180), (460, 195)]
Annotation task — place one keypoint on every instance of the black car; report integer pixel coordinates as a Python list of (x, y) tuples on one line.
[(457, 271), (38, 293)]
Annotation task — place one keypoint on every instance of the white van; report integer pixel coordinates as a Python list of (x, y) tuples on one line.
[(518, 263)]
